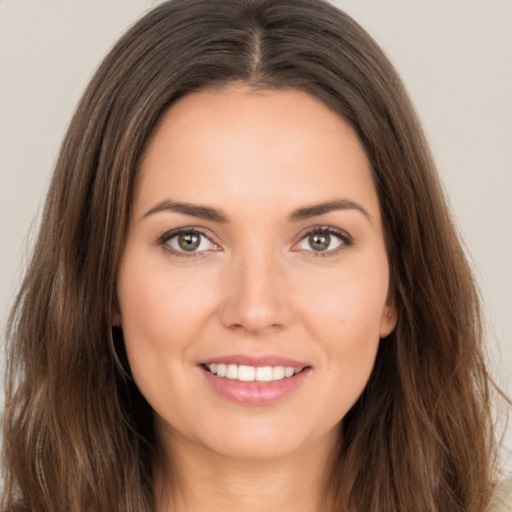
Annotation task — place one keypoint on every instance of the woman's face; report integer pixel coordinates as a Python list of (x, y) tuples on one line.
[(254, 285)]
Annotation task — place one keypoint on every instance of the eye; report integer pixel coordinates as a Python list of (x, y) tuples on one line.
[(186, 242), (324, 241)]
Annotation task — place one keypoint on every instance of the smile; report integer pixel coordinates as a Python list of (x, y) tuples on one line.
[(246, 373)]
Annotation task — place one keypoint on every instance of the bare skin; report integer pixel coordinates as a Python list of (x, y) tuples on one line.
[(293, 483), (256, 240)]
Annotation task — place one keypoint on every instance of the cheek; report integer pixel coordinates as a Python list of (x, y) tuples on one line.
[(348, 304), (162, 312), (350, 331), (159, 304), (161, 319), (349, 337), (344, 316)]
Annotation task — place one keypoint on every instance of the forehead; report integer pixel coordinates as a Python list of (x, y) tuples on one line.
[(218, 144)]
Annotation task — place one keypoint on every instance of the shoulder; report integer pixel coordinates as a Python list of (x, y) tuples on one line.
[(502, 499)]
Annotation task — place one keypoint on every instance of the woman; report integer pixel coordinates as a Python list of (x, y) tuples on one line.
[(247, 290)]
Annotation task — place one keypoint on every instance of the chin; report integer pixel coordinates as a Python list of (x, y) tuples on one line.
[(264, 441)]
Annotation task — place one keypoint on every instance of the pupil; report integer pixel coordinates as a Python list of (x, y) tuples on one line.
[(189, 241), (319, 241)]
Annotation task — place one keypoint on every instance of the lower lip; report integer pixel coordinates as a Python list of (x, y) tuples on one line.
[(255, 393)]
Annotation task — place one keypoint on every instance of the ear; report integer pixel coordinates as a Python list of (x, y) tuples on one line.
[(388, 323), (116, 315), (116, 319), (389, 315)]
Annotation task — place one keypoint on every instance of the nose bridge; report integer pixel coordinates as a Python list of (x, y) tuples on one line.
[(255, 290)]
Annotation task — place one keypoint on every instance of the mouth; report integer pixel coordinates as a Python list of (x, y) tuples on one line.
[(255, 381), (245, 373)]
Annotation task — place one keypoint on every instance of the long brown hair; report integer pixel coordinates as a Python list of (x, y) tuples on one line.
[(77, 433)]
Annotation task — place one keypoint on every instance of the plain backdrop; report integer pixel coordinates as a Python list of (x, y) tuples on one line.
[(455, 57)]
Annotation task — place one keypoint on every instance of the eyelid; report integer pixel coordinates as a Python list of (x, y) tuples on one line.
[(346, 240), (162, 241)]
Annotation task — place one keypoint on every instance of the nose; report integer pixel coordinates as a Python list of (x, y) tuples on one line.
[(256, 299)]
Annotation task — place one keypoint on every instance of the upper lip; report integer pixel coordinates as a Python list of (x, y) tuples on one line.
[(255, 360)]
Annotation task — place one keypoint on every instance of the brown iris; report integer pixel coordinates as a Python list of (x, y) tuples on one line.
[(319, 241), (189, 241)]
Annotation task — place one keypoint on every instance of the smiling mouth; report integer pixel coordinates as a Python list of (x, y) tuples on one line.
[(244, 373)]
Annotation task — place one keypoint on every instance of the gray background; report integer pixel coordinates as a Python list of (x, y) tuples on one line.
[(455, 57)]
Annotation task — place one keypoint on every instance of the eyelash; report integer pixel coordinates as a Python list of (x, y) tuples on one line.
[(162, 241), (345, 238)]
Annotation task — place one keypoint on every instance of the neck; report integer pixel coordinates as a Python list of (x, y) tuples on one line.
[(196, 480)]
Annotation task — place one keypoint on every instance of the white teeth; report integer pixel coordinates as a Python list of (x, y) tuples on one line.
[(288, 372), (278, 373), (232, 371), (246, 373), (264, 373)]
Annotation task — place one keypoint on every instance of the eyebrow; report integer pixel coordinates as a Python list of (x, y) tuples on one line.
[(208, 213), (329, 206), (202, 212)]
